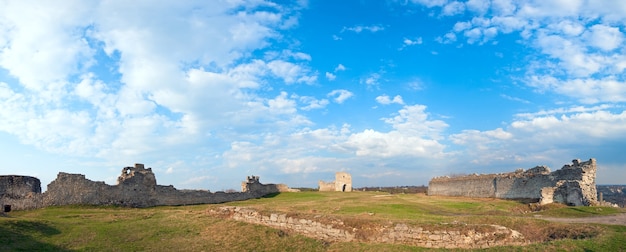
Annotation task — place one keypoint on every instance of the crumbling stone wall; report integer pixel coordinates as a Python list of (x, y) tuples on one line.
[(18, 192), (449, 236), (252, 184), (342, 183), (136, 187), (572, 184), (326, 186)]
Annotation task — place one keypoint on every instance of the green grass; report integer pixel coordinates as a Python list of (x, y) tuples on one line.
[(191, 228)]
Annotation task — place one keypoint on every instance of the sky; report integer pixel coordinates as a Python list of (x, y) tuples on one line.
[(393, 92)]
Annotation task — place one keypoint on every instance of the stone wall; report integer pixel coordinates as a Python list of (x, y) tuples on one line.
[(342, 183), (326, 186), (136, 187), (447, 236), (572, 184), (19, 192), (19, 186)]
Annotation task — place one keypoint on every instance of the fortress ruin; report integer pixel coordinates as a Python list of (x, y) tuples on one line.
[(342, 183), (574, 184), (136, 187)]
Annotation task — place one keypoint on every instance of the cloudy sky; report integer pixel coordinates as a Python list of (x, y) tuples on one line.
[(394, 92)]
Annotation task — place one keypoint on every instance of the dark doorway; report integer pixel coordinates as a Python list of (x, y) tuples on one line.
[(6, 208), (343, 188)]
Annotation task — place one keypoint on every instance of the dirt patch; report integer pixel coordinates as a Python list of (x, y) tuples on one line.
[(619, 219)]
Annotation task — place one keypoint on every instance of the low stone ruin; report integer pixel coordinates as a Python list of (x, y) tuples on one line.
[(459, 235), (342, 183), (574, 184), (136, 187)]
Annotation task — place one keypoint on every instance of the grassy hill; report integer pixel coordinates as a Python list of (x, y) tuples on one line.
[(192, 228)]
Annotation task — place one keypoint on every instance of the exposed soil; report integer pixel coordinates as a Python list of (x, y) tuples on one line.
[(619, 219)]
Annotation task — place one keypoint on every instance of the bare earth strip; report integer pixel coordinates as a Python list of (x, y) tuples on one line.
[(619, 219)]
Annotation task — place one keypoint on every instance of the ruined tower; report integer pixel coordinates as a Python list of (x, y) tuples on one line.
[(342, 183)]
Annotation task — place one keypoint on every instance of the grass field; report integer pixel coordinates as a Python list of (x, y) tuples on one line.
[(191, 228)]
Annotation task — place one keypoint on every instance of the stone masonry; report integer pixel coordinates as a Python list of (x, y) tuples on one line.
[(15, 187), (574, 184), (342, 183), (447, 236), (136, 187)]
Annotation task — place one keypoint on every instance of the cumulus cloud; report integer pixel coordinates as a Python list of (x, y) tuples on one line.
[(578, 42), (89, 83), (385, 99), (312, 103), (414, 134), (453, 8), (547, 136), (290, 72), (340, 95), (330, 76), (408, 42), (604, 37)]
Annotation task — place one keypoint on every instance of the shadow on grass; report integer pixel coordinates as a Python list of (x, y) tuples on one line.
[(18, 236), (271, 195)]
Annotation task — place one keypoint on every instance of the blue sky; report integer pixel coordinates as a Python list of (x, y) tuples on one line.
[(394, 92)]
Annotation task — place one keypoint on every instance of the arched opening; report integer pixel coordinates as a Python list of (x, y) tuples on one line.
[(343, 188)]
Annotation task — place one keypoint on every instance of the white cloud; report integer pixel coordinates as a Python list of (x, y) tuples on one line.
[(453, 8), (48, 41), (479, 6), (159, 92), (517, 99), (414, 120), (297, 55), (340, 95), (547, 136), (340, 67), (371, 80), (282, 105), (385, 99), (448, 38), (473, 35), (462, 26), (568, 27), (290, 72), (578, 43), (503, 7), (431, 3), (586, 90), (576, 109), (604, 37), (330, 76), (413, 135), (408, 42), (330, 149), (313, 103), (361, 28)]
